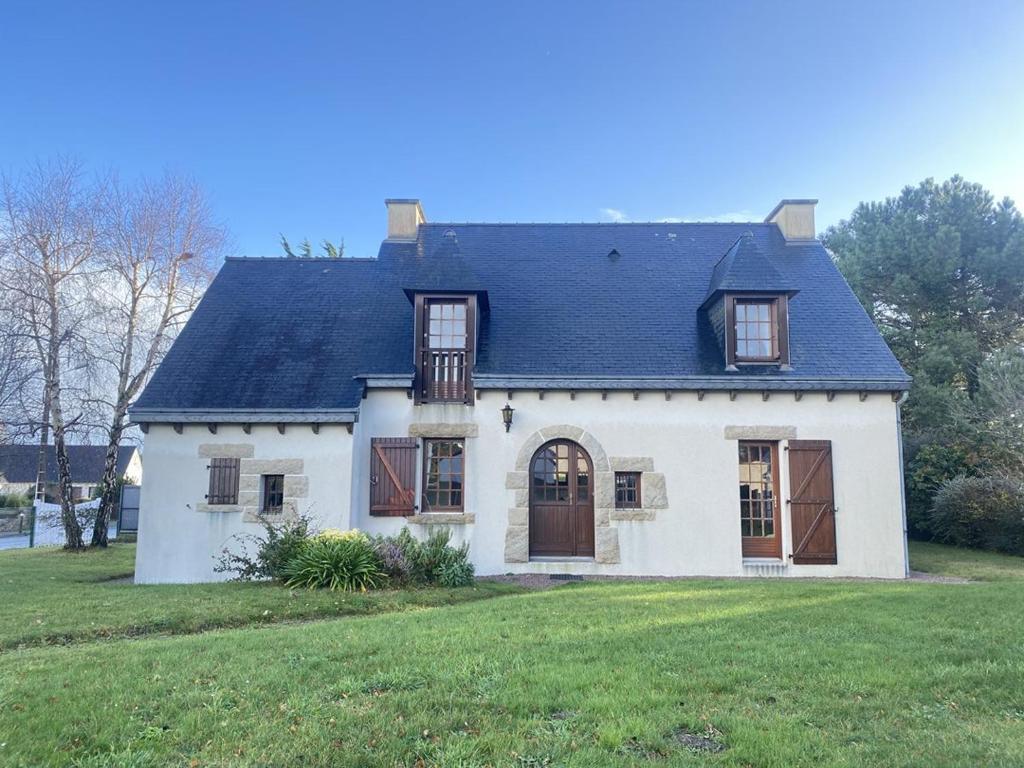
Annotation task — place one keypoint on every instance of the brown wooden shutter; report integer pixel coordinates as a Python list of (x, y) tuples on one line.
[(812, 502), (223, 481), (392, 476)]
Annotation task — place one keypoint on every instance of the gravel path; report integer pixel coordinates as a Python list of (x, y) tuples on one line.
[(544, 580)]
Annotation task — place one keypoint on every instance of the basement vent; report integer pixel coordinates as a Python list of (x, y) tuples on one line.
[(565, 577)]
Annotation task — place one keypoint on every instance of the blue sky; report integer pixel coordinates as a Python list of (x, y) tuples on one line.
[(302, 117)]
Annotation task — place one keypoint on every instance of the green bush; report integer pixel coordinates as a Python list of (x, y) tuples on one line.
[(14, 500), (265, 557), (980, 512), (335, 560), (407, 560)]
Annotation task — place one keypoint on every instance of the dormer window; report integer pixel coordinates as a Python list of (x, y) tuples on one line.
[(444, 352), (758, 330)]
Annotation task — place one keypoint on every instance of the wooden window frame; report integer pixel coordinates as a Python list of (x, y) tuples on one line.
[(219, 469), (427, 508), (265, 508), (624, 504), (764, 546), (422, 304), (779, 304)]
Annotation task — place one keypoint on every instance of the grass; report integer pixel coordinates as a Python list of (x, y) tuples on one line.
[(783, 673), (964, 563), (55, 597)]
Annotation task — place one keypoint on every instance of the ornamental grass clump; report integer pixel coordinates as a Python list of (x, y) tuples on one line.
[(343, 560)]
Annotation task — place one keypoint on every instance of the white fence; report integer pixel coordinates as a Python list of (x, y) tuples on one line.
[(50, 532)]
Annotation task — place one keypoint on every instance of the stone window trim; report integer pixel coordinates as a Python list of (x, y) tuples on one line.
[(250, 479), (444, 429), (442, 518), (759, 432)]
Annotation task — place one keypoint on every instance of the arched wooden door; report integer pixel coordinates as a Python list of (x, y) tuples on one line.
[(561, 501)]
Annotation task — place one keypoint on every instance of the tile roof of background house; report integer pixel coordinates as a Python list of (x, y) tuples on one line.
[(19, 463), (292, 334)]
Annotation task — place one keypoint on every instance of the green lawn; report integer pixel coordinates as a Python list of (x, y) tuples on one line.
[(783, 673), (52, 597)]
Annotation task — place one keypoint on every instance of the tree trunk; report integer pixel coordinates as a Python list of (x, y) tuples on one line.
[(108, 484), (72, 530)]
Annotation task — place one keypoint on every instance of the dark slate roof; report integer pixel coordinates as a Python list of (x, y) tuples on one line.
[(19, 463), (292, 334), (745, 267)]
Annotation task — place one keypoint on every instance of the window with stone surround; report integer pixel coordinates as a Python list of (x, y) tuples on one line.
[(443, 475), (273, 494), (627, 490)]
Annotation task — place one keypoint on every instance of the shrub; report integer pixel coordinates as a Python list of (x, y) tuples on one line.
[(981, 512), (455, 573), (929, 465), (265, 557), (408, 560), (14, 500), (393, 554), (335, 560)]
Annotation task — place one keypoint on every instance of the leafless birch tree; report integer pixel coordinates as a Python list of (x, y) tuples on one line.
[(48, 237), (160, 246)]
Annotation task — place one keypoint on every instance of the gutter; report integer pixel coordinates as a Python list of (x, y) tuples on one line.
[(740, 382), (242, 416)]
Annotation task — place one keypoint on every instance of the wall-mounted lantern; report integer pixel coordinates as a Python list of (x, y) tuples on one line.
[(506, 416)]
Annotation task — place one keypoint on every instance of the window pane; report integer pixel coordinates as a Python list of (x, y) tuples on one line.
[(444, 475), (754, 330), (757, 505)]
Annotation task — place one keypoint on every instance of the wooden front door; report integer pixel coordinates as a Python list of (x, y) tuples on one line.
[(561, 501), (812, 502)]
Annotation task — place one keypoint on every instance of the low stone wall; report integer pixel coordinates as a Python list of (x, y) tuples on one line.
[(15, 520)]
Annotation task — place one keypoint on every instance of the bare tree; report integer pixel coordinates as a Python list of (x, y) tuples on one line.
[(20, 395), (160, 248), (48, 237)]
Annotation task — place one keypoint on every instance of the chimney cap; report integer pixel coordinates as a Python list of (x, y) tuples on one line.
[(789, 201)]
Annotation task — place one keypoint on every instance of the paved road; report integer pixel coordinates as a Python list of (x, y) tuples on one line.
[(20, 542)]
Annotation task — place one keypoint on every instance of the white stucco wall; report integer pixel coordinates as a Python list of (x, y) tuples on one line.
[(698, 533), (179, 543)]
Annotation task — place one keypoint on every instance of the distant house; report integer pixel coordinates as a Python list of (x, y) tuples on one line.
[(657, 399), (19, 465)]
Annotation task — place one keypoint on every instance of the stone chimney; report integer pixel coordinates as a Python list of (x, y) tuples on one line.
[(795, 219), (404, 218)]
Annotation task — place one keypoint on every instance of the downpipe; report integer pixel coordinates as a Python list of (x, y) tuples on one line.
[(903, 489)]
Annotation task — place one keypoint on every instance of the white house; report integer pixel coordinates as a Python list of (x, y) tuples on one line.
[(670, 399), (19, 469)]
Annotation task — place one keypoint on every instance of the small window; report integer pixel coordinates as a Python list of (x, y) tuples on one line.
[(223, 481), (756, 326), (758, 329), (273, 494), (627, 490), (444, 470)]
